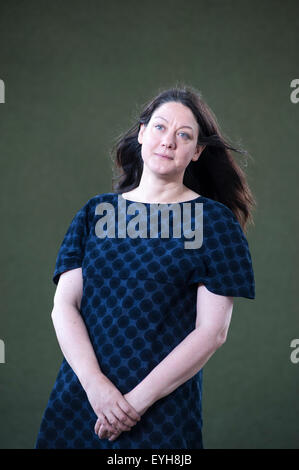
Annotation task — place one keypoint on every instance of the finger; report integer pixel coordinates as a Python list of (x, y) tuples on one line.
[(97, 427), (109, 426), (129, 410), (116, 423), (100, 420), (104, 428), (103, 432), (114, 436), (123, 423), (108, 435)]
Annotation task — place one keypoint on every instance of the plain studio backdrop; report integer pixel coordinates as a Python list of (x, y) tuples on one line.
[(73, 76)]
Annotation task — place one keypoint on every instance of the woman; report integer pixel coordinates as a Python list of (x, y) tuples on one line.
[(137, 317)]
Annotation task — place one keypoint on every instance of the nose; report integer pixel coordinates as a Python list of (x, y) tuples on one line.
[(168, 142)]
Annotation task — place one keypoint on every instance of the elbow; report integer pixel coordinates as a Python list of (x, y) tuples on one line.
[(63, 310), (212, 338), (53, 314), (221, 339), (56, 310)]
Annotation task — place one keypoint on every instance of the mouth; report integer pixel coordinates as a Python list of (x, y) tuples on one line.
[(164, 156)]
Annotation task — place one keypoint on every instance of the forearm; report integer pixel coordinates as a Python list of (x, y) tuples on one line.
[(75, 343), (182, 363)]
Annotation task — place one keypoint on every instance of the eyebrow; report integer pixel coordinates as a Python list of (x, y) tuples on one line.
[(160, 117)]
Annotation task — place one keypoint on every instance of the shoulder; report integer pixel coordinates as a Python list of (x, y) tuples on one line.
[(217, 210), (218, 219), (92, 203)]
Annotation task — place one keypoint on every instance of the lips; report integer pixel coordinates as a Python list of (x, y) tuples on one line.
[(164, 156)]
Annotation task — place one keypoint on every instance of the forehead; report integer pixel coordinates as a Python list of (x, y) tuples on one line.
[(176, 112)]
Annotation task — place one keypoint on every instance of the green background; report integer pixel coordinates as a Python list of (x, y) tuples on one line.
[(76, 73)]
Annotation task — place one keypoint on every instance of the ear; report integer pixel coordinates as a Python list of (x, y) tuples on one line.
[(140, 133), (199, 150)]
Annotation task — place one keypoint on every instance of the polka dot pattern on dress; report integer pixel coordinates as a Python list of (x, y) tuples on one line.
[(138, 304)]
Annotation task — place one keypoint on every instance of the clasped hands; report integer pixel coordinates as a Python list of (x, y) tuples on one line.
[(124, 417), (116, 412)]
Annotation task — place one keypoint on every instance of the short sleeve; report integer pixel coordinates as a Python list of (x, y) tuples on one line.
[(225, 266), (72, 248)]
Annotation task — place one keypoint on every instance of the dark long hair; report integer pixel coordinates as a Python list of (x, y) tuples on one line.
[(215, 175)]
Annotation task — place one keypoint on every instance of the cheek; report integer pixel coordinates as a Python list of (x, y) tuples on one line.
[(190, 149), (185, 156), (150, 142), (146, 148)]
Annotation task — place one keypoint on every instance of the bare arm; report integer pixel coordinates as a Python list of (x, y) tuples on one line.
[(70, 329), (187, 358), (106, 400), (183, 362)]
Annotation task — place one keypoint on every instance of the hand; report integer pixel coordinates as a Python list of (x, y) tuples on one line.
[(104, 431), (110, 406)]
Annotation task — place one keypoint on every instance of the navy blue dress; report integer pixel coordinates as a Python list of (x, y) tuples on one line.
[(138, 304)]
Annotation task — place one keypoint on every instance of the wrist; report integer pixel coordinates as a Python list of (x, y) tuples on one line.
[(91, 379), (141, 398)]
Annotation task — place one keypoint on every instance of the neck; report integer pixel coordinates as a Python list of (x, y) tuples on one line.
[(154, 189)]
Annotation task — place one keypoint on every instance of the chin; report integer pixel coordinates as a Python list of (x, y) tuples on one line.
[(159, 168)]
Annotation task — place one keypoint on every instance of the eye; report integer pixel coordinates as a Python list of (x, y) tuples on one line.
[(159, 125), (185, 135)]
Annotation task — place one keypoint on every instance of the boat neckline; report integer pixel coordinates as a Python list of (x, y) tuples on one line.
[(160, 203)]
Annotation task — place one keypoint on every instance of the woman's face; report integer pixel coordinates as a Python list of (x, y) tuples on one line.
[(169, 140)]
